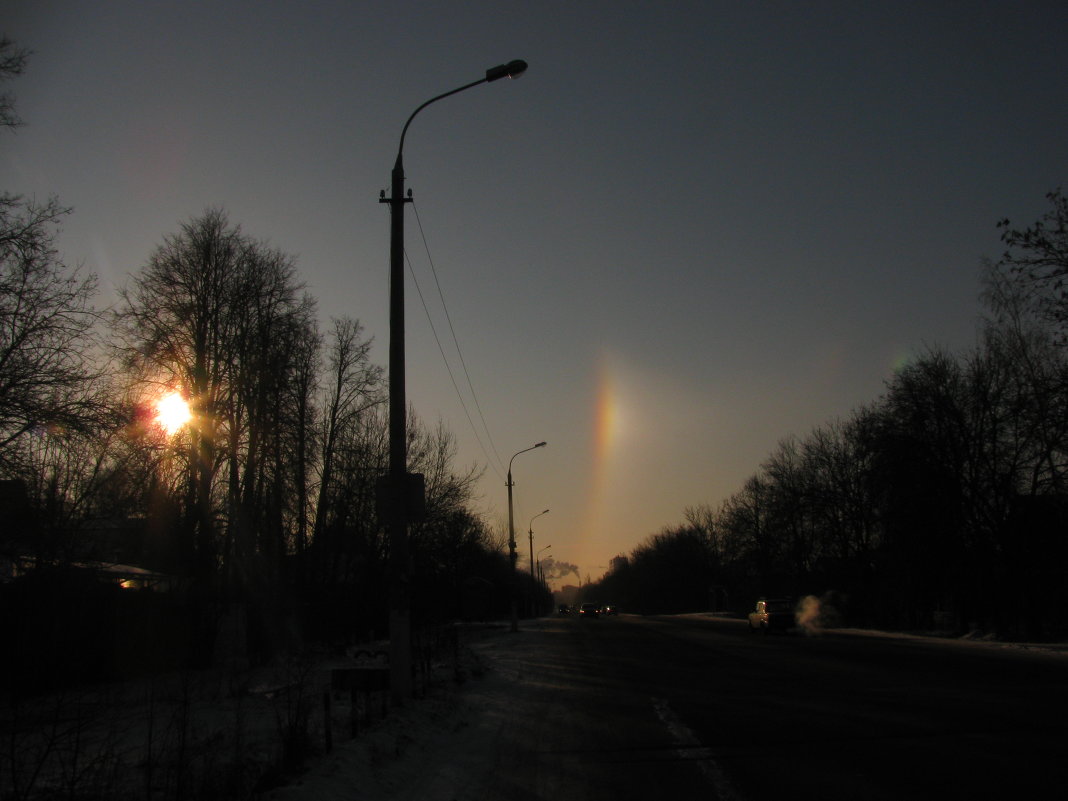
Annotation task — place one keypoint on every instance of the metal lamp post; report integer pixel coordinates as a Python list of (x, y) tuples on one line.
[(533, 574), (400, 487), (511, 535), (530, 533), (541, 578)]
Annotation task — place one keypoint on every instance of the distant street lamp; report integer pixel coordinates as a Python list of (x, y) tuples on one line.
[(511, 535), (541, 578), (533, 573), (399, 484), (530, 532)]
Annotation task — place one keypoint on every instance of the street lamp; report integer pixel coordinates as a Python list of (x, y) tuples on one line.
[(511, 534), (530, 531), (399, 484), (541, 578), (533, 576)]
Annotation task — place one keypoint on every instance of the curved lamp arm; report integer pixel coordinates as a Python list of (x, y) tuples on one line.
[(513, 69), (532, 447), (530, 525)]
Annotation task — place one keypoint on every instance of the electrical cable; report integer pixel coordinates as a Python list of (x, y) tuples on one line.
[(470, 385)]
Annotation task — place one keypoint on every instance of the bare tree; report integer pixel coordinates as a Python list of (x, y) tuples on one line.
[(838, 465), (175, 322), (1028, 312), (12, 62), (303, 388), (268, 335), (355, 386), (1038, 255), (221, 318), (46, 330), (54, 418)]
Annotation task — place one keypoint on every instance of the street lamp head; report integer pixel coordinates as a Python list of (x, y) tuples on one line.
[(540, 445), (513, 69)]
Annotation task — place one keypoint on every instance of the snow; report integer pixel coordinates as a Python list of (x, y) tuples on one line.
[(442, 746), (263, 732)]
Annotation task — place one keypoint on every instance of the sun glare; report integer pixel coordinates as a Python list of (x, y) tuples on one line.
[(172, 412)]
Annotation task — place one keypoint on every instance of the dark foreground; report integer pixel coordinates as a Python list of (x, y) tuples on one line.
[(694, 707)]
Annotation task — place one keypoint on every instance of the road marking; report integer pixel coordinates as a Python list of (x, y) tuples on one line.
[(691, 749)]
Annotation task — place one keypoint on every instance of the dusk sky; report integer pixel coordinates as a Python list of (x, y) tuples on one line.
[(690, 230)]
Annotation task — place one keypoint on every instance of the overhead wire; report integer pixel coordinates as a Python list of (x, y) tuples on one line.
[(495, 460), (445, 358), (456, 341)]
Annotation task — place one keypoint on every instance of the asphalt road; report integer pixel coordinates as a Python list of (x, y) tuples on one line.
[(697, 707)]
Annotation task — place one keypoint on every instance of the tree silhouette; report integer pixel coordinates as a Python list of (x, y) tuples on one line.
[(221, 319), (12, 63)]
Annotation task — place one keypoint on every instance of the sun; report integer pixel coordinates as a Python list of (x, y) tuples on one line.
[(172, 412)]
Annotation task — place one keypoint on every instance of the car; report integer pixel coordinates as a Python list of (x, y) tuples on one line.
[(772, 614), (563, 609), (609, 609), (589, 610)]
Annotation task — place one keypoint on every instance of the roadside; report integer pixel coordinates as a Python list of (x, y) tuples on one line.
[(443, 746), (225, 732), (970, 639), (539, 717)]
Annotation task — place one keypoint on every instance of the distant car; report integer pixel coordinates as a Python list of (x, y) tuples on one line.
[(563, 609), (609, 609), (589, 610), (775, 614)]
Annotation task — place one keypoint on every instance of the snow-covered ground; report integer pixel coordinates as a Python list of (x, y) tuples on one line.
[(247, 733), (439, 747)]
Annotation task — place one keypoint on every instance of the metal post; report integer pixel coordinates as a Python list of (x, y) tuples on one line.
[(511, 538), (400, 612), (512, 556), (533, 577), (530, 534), (397, 487)]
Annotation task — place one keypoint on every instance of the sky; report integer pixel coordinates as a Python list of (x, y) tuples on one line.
[(688, 231)]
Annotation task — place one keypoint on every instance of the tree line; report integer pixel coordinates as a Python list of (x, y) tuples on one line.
[(942, 505), (266, 497)]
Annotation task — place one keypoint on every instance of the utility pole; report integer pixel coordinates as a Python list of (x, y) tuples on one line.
[(402, 492), (512, 555)]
